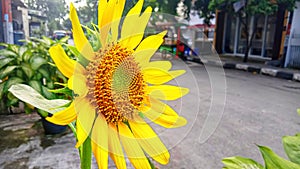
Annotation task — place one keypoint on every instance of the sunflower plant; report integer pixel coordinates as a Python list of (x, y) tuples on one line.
[(117, 88)]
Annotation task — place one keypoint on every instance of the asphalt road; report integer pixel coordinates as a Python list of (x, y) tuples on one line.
[(227, 115), (258, 109)]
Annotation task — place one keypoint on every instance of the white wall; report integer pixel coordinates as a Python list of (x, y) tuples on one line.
[(296, 19)]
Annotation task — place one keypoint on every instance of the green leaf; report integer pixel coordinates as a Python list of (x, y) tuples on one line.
[(22, 50), (27, 109), (19, 73), (48, 41), (13, 48), (31, 96), (5, 61), (241, 163), (4, 44), (36, 85), (42, 113), (7, 53), (291, 146), (6, 71), (64, 39), (27, 55), (2, 88), (12, 100), (12, 81), (273, 161), (27, 70), (45, 73), (37, 61), (48, 94)]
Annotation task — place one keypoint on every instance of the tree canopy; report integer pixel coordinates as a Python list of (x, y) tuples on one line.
[(54, 10)]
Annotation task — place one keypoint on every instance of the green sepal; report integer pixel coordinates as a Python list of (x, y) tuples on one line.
[(86, 154)]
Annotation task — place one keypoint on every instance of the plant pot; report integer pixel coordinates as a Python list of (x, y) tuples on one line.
[(51, 128)]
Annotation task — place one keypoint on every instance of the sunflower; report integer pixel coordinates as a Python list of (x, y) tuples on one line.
[(117, 87)]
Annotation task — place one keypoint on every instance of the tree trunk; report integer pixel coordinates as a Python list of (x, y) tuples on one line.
[(247, 50), (278, 32), (247, 39)]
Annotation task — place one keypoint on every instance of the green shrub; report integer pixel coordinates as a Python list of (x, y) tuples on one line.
[(30, 64)]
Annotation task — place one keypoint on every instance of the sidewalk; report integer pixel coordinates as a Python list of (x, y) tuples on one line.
[(253, 65)]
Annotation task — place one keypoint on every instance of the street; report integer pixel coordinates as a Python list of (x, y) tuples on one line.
[(257, 110)]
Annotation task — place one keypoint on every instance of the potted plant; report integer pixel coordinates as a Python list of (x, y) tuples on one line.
[(30, 64)]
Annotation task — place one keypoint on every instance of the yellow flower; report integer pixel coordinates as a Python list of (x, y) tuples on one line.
[(119, 87)]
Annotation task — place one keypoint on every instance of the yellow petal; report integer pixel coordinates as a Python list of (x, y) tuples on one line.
[(86, 116), (70, 82), (100, 142), (148, 47), (114, 147), (78, 84), (106, 21), (164, 65), (150, 142), (132, 34), (167, 92), (101, 8), (164, 119), (118, 10), (161, 107), (62, 61), (80, 74), (158, 76), (81, 42), (132, 148), (63, 117)]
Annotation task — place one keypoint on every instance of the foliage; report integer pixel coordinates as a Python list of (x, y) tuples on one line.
[(88, 12), (291, 146), (29, 64), (202, 6), (54, 10)]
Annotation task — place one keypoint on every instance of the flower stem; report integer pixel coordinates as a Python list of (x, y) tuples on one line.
[(86, 154)]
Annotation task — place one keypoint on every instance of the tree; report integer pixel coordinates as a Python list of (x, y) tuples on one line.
[(202, 7), (54, 10), (88, 12), (245, 9)]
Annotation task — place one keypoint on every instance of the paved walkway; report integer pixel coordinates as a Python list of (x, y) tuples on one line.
[(253, 65)]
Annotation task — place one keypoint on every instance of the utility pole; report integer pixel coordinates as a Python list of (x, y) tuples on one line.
[(1, 25), (6, 19)]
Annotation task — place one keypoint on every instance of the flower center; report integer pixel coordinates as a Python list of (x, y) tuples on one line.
[(115, 82)]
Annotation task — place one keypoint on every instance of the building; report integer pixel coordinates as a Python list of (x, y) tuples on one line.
[(18, 22), (293, 41), (268, 41), (6, 22)]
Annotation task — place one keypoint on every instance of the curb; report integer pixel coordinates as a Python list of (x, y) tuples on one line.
[(253, 69)]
